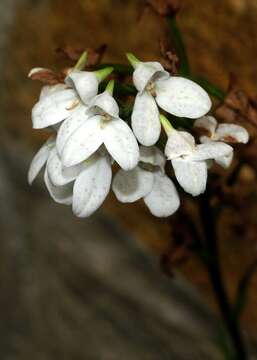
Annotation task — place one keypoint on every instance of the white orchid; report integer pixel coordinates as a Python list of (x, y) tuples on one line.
[(189, 160), (63, 100), (148, 181), (231, 133), (176, 95), (102, 126), (84, 186)]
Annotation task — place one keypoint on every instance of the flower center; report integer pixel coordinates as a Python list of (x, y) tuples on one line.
[(105, 118), (148, 167), (151, 88)]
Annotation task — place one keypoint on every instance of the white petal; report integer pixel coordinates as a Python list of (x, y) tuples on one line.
[(40, 159), (163, 200), (104, 104), (58, 174), (191, 175), (54, 108), (152, 155), (208, 123), (130, 186), (211, 150), (121, 143), (145, 119), (83, 142), (146, 71), (69, 126), (60, 194), (179, 143), (232, 133), (92, 186), (51, 89), (85, 83), (182, 97), (225, 161)]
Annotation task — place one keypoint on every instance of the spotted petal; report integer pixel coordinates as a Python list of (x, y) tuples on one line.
[(54, 108), (232, 133), (104, 103), (163, 200), (191, 175), (83, 142), (147, 71), (69, 126), (85, 83), (92, 186), (50, 89), (152, 155), (211, 150), (180, 143), (40, 159), (182, 97), (130, 186), (60, 194), (59, 174), (121, 143), (207, 123), (145, 119)]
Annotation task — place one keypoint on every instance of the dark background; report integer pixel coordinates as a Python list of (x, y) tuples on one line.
[(92, 288)]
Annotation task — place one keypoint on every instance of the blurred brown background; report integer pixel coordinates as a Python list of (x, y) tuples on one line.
[(60, 294)]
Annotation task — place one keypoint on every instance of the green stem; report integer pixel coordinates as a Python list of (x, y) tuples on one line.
[(179, 47), (212, 264)]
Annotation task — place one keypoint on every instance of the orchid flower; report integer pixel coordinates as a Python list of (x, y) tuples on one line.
[(231, 133), (189, 160), (176, 95), (79, 88), (149, 182), (103, 126), (85, 185)]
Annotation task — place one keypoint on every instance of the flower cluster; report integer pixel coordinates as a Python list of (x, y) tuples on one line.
[(89, 137)]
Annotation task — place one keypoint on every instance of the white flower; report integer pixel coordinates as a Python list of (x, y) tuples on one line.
[(148, 181), (190, 161), (176, 95), (103, 126), (62, 100), (231, 133), (84, 186)]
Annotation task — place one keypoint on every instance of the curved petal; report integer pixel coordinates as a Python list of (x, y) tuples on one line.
[(121, 143), (54, 108), (211, 150), (83, 142), (207, 123), (130, 186), (59, 174), (225, 161), (163, 200), (182, 97), (69, 126), (152, 155), (51, 89), (92, 186), (40, 159), (85, 83), (191, 175), (145, 71), (104, 103), (60, 194), (232, 133), (145, 119), (180, 143)]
